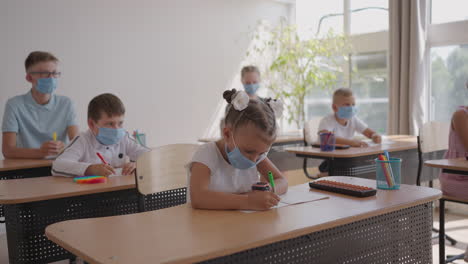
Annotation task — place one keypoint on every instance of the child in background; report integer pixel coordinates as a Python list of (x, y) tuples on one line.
[(31, 120), (250, 78), (344, 123), (222, 173), (105, 136), (453, 184)]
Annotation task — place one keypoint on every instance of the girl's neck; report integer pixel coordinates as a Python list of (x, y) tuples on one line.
[(40, 98), (220, 145)]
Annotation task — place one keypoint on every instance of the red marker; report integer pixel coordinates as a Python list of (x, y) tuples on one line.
[(101, 158)]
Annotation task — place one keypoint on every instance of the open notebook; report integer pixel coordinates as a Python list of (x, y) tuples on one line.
[(295, 195)]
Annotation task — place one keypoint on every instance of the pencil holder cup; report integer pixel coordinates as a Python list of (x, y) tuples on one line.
[(388, 174), (327, 141)]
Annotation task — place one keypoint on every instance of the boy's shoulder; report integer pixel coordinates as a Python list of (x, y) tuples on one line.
[(63, 100), (17, 100), (328, 118), (84, 138)]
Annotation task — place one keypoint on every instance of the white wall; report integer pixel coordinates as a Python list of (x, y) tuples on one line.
[(169, 61)]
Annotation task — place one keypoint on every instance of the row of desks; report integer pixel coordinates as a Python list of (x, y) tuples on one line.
[(33, 204), (394, 224)]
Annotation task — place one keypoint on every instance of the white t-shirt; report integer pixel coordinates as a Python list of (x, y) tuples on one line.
[(81, 153), (224, 177), (353, 125)]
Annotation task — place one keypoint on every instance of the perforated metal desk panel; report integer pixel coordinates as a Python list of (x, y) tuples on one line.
[(22, 168), (392, 227), (33, 204)]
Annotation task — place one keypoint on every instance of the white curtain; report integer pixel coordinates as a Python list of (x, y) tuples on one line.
[(408, 66)]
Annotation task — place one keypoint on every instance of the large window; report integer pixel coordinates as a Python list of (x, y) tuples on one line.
[(448, 57), (366, 70)]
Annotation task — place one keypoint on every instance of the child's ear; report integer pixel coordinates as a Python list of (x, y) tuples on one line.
[(227, 131), (28, 78), (335, 107), (91, 123)]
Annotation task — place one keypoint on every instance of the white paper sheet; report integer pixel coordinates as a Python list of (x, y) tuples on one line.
[(295, 196)]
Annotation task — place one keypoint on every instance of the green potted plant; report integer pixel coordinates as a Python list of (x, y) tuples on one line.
[(292, 66)]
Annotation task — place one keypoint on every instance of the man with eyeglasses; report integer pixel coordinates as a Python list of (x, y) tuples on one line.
[(38, 124)]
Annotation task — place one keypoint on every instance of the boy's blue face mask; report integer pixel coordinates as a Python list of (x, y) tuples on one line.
[(346, 112), (110, 136), (239, 161), (252, 88), (46, 85)]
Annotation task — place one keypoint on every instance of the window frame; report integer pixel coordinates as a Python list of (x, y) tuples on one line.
[(371, 42), (440, 35)]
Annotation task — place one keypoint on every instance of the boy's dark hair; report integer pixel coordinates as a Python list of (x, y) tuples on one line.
[(257, 112), (38, 56), (105, 103), (249, 68)]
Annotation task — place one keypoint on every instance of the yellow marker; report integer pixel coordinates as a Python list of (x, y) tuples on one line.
[(54, 136)]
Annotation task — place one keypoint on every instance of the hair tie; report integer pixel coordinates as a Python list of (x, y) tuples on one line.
[(240, 100), (277, 106)]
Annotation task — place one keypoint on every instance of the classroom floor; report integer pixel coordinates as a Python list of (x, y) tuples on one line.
[(456, 225)]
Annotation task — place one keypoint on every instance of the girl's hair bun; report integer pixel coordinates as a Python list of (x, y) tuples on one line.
[(227, 95)]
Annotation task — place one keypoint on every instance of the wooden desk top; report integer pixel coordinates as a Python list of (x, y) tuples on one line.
[(45, 188), (18, 164), (280, 139), (185, 235), (391, 143), (451, 164)]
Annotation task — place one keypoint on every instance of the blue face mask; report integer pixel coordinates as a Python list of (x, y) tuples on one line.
[(346, 112), (110, 136), (239, 161), (251, 88), (46, 85)]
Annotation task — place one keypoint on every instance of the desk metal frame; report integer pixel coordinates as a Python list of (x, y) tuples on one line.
[(26, 222), (442, 216), (362, 166), (402, 236), (21, 174)]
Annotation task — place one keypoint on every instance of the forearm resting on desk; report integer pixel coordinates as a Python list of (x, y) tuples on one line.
[(344, 141), (22, 153), (206, 199)]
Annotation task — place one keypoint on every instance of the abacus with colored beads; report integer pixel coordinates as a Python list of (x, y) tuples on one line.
[(343, 188)]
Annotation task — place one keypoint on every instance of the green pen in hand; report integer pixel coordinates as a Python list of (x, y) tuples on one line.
[(272, 181)]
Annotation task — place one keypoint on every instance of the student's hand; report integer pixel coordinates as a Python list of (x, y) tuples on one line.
[(376, 138), (262, 200), (49, 148), (359, 144), (128, 168), (100, 170)]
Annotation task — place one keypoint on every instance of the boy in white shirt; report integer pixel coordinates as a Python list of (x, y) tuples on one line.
[(344, 123), (106, 137)]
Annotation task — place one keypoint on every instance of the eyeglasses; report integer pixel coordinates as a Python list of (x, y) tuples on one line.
[(47, 74)]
